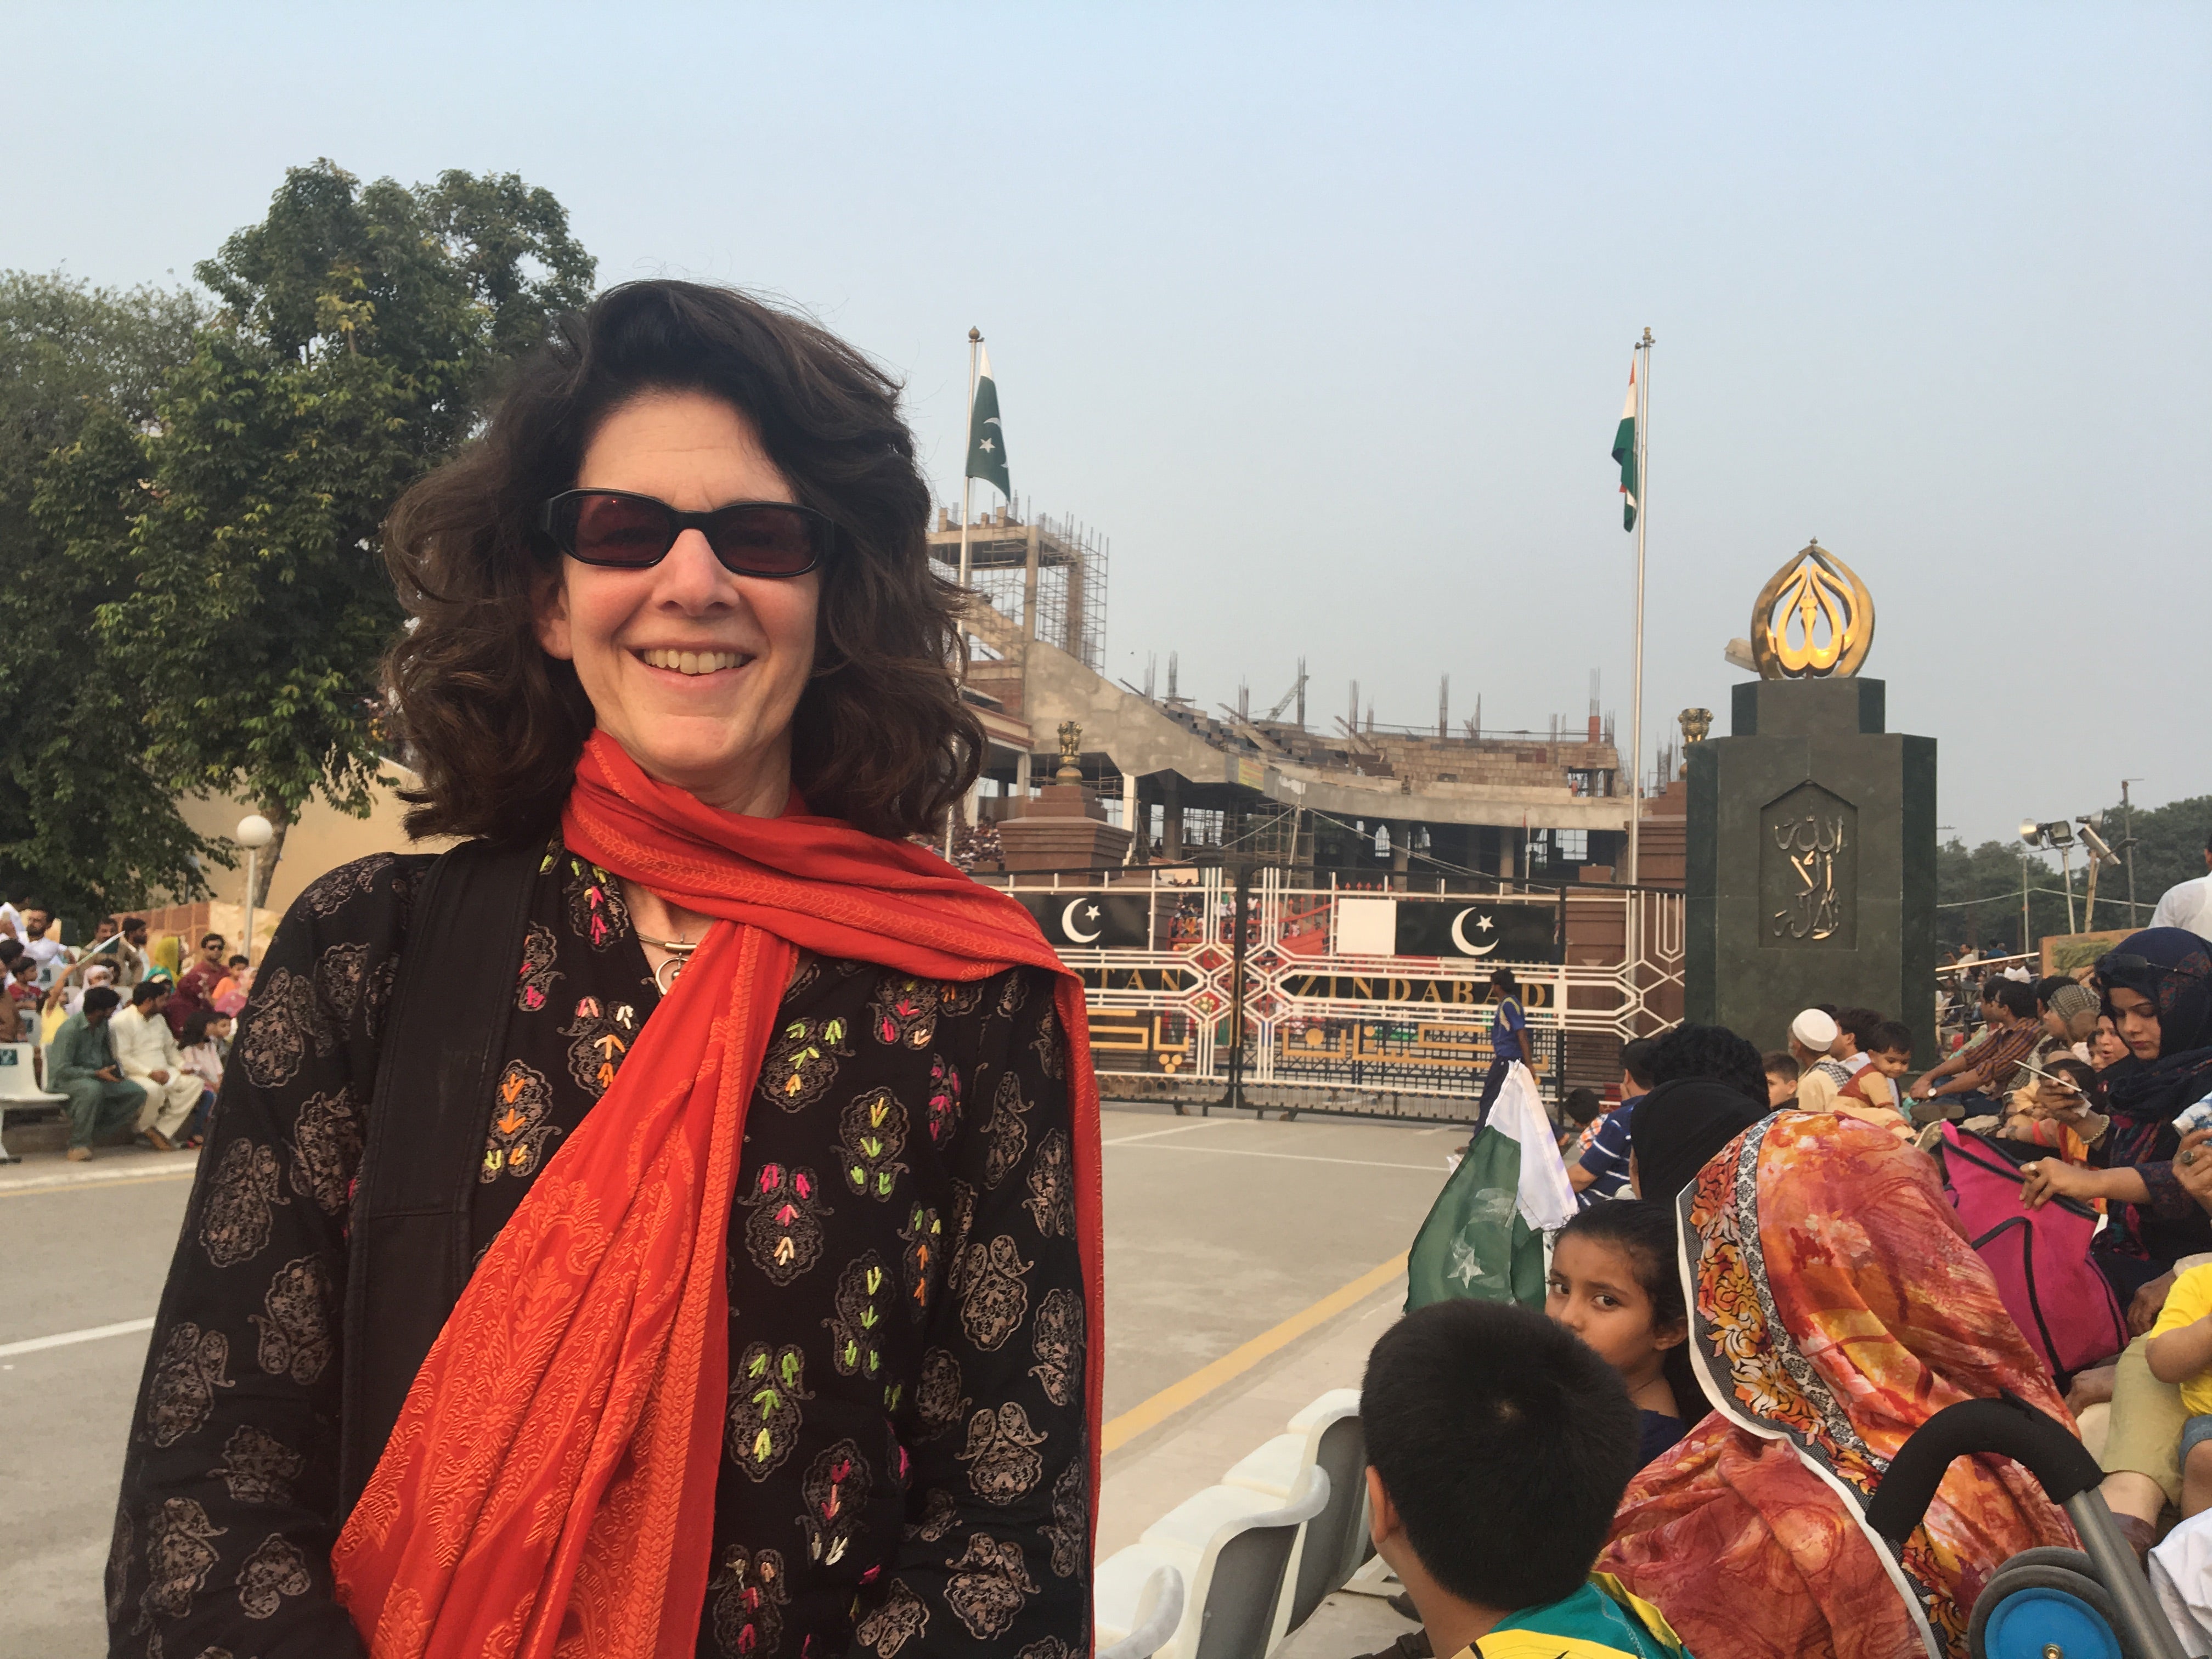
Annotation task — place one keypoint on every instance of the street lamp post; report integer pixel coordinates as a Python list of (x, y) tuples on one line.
[(253, 833)]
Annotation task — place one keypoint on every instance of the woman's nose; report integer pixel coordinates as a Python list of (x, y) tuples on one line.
[(692, 577)]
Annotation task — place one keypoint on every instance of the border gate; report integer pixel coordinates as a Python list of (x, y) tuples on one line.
[(1367, 1001)]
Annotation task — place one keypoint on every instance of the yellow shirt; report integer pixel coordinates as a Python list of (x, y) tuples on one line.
[(2188, 1301)]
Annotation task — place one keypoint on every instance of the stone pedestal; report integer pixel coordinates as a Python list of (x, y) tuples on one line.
[(1063, 829), (1811, 855)]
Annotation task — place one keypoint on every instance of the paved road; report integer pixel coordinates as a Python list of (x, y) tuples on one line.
[(73, 1258), (1217, 1230)]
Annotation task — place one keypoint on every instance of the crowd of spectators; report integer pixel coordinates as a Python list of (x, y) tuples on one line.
[(137, 1049), (1769, 1262)]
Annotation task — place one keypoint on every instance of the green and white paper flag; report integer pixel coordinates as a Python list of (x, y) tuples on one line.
[(1483, 1237)]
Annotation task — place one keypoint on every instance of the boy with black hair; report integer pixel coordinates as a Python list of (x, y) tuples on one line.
[(1602, 1170), (1782, 1070), (1499, 1445), (1581, 1109)]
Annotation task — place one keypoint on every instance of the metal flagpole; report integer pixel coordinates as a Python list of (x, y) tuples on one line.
[(975, 339), (966, 486)]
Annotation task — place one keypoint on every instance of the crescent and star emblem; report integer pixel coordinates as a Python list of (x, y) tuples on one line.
[(1484, 925), (1067, 922)]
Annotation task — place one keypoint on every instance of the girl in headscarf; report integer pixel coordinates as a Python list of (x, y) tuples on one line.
[(2157, 990), (1836, 1306)]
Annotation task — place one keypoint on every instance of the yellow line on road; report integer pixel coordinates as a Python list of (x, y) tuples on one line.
[(28, 1191), (1234, 1363)]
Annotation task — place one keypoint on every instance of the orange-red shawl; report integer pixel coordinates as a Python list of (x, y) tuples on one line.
[(1837, 1306), (549, 1486)]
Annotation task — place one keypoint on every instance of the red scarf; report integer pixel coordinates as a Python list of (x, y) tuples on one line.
[(549, 1484)]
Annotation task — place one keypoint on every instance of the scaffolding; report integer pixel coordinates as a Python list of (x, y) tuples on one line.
[(1048, 572)]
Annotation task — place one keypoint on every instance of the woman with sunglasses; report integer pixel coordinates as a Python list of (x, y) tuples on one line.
[(2157, 991), (668, 1221)]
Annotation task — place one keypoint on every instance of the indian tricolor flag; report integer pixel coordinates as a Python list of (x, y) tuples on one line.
[(1483, 1237), (1624, 451)]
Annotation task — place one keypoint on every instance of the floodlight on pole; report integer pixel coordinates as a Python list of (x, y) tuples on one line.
[(253, 833), (2057, 835)]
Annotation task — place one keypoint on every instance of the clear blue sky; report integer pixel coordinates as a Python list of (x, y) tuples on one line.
[(1324, 313)]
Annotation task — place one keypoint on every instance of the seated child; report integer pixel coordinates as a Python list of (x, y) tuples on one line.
[(2180, 1352), (1613, 1284), (1497, 1448), (1781, 1069), (2056, 1111), (1872, 1095), (1581, 1109)]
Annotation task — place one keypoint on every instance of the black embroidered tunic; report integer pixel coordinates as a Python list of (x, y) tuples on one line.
[(905, 1465)]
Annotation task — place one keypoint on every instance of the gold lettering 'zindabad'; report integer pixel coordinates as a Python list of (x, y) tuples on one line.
[(1812, 620)]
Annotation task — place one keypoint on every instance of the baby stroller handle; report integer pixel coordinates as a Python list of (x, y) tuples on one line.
[(2010, 1427)]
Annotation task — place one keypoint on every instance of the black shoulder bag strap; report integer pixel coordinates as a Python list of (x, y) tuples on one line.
[(409, 1256)]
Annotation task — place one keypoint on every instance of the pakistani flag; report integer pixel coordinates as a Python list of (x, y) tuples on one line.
[(1483, 1238), (1624, 451), (986, 439)]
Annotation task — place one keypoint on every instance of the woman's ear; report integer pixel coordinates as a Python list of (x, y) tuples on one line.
[(548, 607)]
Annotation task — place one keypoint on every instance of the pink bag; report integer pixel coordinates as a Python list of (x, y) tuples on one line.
[(2039, 1258)]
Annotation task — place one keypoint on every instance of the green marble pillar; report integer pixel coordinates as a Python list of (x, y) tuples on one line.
[(1811, 863)]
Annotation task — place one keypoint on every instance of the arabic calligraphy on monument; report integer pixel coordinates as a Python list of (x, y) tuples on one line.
[(1812, 620), (1808, 870)]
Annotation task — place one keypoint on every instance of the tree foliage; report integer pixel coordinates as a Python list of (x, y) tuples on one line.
[(85, 819), (2169, 847), (358, 330), (1978, 891)]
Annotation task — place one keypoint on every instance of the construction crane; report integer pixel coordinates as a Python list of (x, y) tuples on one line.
[(1295, 693)]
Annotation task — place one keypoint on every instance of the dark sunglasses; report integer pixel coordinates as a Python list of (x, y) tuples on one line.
[(2127, 963), (616, 528)]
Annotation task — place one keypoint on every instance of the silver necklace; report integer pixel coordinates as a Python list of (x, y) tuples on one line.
[(679, 956)]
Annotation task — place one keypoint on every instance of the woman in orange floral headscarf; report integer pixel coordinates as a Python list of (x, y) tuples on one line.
[(1837, 1306)]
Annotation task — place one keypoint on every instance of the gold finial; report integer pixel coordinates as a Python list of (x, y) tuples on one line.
[(1813, 619), (1071, 746), (1697, 724)]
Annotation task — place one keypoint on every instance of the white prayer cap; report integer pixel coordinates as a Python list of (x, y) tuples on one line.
[(1815, 1029)]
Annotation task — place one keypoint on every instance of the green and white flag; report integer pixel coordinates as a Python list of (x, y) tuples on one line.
[(1624, 451), (986, 439), (1483, 1237)]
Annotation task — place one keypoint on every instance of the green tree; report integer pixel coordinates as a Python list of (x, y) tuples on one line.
[(85, 820), (1978, 896), (2169, 847), (358, 330)]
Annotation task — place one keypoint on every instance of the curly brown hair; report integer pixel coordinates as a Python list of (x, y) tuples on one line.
[(493, 726)]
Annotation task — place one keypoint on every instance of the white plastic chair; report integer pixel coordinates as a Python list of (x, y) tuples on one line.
[(1326, 1435), (20, 1090), (1151, 1615), (1232, 1545)]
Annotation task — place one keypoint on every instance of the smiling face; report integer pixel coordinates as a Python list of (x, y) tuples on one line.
[(696, 672), (2137, 1021)]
